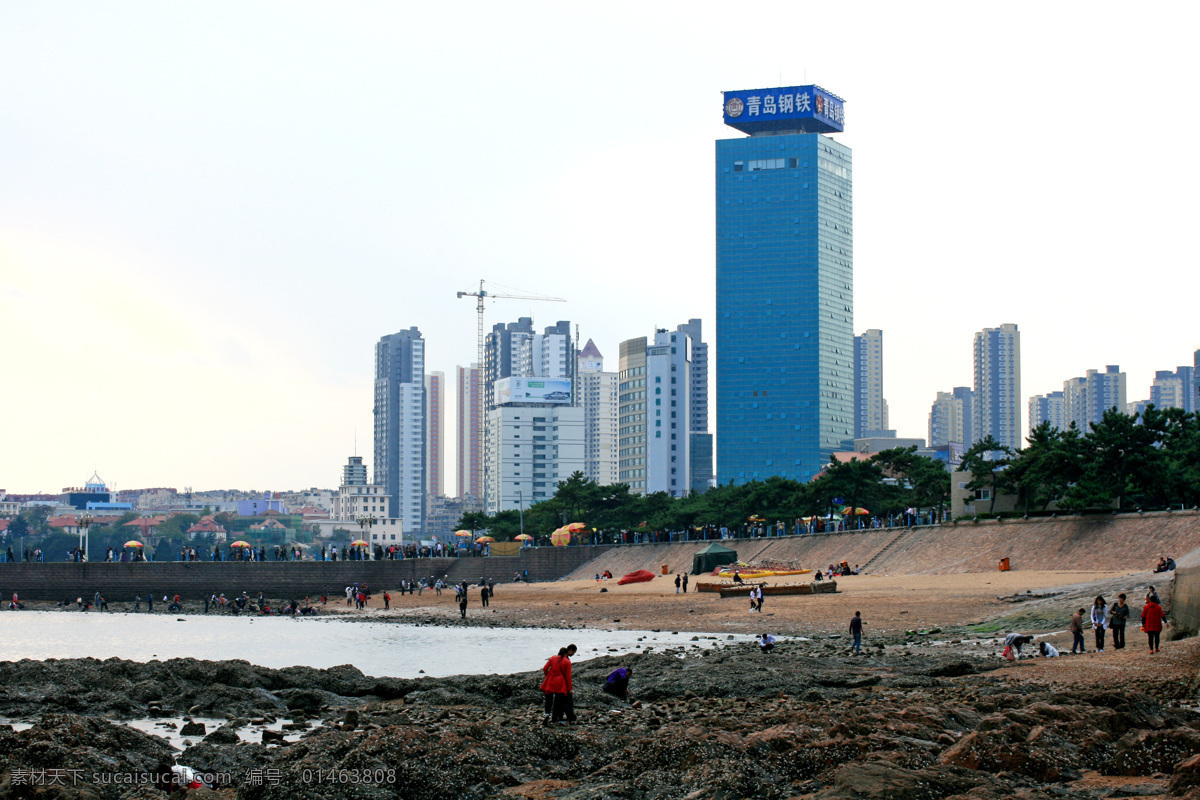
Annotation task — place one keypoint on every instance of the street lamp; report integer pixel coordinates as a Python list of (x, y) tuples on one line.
[(85, 522), (521, 508), (364, 527)]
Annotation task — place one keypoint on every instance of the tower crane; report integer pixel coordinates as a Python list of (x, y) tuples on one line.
[(481, 295)]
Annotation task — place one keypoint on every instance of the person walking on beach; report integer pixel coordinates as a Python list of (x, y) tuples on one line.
[(1099, 621), (1152, 623), (567, 711), (462, 604), (1117, 618), (759, 597), (387, 601), (149, 603), (678, 581), (856, 624), (685, 580), (484, 593), (1077, 643)]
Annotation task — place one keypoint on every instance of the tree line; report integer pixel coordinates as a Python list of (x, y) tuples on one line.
[(1125, 462), (885, 484)]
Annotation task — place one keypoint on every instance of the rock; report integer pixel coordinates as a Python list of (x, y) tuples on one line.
[(1187, 775), (273, 736), (191, 728), (1147, 752)]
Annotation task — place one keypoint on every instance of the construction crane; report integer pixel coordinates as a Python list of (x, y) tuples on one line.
[(481, 295)]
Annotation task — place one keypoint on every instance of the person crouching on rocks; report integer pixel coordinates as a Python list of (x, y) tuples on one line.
[(1047, 650), (766, 643), (617, 682)]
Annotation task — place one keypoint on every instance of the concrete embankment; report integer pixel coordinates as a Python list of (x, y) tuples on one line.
[(1131, 542), (277, 579)]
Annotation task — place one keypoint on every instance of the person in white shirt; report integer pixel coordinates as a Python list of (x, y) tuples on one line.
[(766, 643), (1047, 650), (1100, 622)]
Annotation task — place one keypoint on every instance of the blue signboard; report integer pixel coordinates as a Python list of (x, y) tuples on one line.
[(803, 108)]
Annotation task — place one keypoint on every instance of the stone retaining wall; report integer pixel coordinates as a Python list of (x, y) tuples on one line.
[(1185, 601), (195, 580)]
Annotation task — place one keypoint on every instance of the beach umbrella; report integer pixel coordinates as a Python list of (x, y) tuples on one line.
[(463, 534), (359, 543), (560, 538), (576, 527), (485, 539), (855, 511), (757, 518), (240, 543), (523, 537), (134, 543)]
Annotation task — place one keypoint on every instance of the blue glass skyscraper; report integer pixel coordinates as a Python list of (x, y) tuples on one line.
[(785, 286)]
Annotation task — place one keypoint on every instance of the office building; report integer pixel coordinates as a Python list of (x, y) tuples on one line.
[(950, 418), (784, 286), (470, 434), (870, 409), (435, 432), (355, 472), (535, 440), (996, 410), (1050, 407), (598, 398), (700, 444), (400, 420), (1086, 399), (654, 399)]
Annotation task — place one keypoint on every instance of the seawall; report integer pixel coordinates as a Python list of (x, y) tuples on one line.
[(193, 581), (1130, 542)]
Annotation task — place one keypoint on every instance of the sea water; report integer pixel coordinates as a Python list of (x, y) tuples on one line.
[(379, 649)]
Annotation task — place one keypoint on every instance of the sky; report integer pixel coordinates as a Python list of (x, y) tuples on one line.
[(210, 212)]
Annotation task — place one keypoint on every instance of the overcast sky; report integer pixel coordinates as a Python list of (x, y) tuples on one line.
[(210, 212)]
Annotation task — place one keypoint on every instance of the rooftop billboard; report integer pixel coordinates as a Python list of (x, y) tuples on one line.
[(553, 391), (808, 108)]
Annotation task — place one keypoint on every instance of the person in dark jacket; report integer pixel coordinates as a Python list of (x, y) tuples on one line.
[(856, 632), (1117, 618)]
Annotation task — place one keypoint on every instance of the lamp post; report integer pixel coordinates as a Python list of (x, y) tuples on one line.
[(84, 523), (364, 528), (521, 508)]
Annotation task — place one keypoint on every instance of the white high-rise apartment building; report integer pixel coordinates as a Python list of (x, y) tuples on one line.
[(870, 408), (515, 351), (700, 444), (654, 402), (597, 394), (1086, 399), (996, 404), (532, 447), (947, 420), (1051, 407), (400, 424)]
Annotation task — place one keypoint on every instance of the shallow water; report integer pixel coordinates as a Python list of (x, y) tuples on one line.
[(377, 648)]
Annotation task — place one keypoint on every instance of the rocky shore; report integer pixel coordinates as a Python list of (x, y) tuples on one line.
[(807, 721)]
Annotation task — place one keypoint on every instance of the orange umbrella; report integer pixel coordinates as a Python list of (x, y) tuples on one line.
[(485, 539), (463, 534), (523, 537), (134, 543), (576, 527), (240, 543), (560, 538), (359, 543), (856, 511)]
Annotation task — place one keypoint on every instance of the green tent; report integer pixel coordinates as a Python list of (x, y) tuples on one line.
[(711, 557)]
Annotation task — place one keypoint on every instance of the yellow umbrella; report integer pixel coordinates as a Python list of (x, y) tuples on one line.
[(856, 511), (359, 543), (240, 543), (560, 538), (463, 534), (576, 527), (523, 537), (134, 543), (485, 539)]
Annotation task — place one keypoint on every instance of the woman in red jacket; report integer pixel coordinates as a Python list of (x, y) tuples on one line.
[(552, 683), (1152, 622), (564, 698)]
